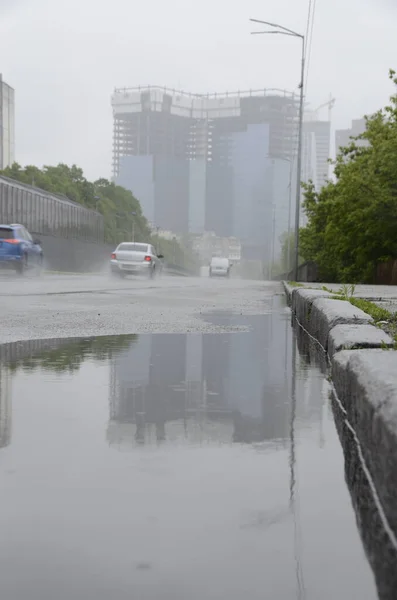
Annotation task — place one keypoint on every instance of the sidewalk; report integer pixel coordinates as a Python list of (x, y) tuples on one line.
[(369, 292), (363, 369), (384, 296)]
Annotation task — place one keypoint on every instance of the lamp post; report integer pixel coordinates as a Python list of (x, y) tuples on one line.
[(133, 214), (289, 188), (280, 30), (289, 216), (273, 240), (158, 239), (125, 215)]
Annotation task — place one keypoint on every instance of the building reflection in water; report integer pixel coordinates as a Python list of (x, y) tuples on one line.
[(5, 407), (261, 386), (223, 387)]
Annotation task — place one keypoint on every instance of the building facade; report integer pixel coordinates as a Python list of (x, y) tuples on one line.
[(188, 386), (7, 125), (343, 136), (209, 245), (316, 150), (205, 163)]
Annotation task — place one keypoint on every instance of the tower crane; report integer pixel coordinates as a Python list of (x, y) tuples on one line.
[(330, 103)]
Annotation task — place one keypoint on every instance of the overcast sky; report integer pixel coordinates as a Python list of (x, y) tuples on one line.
[(64, 58)]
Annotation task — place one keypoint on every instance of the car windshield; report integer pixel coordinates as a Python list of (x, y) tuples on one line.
[(6, 234), (133, 247)]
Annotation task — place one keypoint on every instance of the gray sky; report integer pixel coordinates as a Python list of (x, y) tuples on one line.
[(64, 57)]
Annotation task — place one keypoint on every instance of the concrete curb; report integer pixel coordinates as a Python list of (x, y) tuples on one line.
[(288, 289), (336, 324), (366, 384), (364, 374)]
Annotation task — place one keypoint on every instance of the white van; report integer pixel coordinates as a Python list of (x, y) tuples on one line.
[(220, 266)]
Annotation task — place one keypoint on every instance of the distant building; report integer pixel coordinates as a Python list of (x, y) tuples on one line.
[(316, 150), (343, 136), (164, 234), (202, 163), (209, 245), (7, 125)]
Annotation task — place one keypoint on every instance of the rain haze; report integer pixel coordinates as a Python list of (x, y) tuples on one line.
[(184, 413), (65, 58)]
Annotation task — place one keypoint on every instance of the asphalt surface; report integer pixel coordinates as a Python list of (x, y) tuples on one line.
[(84, 305), (188, 451)]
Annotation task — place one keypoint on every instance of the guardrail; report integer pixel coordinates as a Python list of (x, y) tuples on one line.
[(171, 269)]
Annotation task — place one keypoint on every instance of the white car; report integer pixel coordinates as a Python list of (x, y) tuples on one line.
[(131, 258), (220, 266)]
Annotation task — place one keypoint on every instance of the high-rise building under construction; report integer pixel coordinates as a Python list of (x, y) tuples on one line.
[(206, 162), (7, 125)]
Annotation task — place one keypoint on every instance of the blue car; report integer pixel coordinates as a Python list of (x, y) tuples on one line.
[(18, 250)]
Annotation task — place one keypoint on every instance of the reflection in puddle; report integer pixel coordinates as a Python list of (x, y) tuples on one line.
[(211, 458), (59, 355)]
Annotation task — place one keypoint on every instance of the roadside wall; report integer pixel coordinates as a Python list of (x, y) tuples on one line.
[(386, 273), (307, 272), (74, 255), (77, 256), (364, 374)]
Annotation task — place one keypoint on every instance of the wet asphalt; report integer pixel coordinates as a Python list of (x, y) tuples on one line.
[(71, 306), (190, 457)]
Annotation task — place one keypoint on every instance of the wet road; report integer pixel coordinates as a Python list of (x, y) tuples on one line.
[(181, 465), (65, 306)]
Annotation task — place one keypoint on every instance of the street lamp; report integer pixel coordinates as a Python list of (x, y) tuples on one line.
[(273, 240), (280, 30), (133, 214), (158, 239), (124, 215)]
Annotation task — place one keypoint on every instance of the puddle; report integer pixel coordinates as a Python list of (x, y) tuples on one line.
[(183, 466)]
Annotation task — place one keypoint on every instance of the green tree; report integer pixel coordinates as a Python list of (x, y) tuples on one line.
[(70, 354), (122, 212), (352, 222), (287, 241)]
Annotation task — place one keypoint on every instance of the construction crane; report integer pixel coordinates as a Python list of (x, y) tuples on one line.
[(330, 103)]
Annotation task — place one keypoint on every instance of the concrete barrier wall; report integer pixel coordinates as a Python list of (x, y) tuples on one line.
[(335, 324), (364, 374), (77, 256), (379, 548), (307, 272), (74, 255), (366, 384)]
